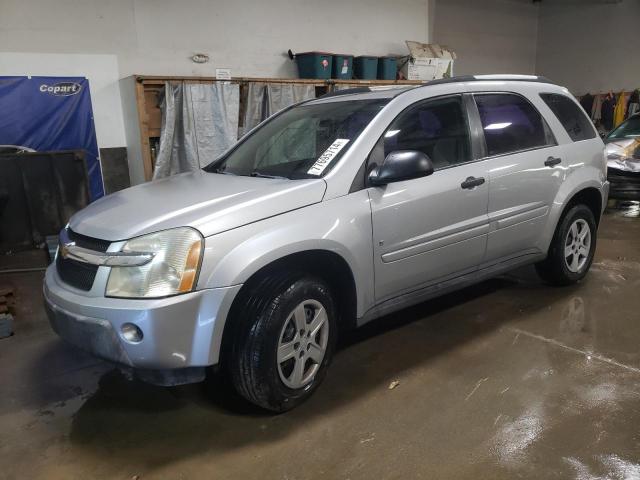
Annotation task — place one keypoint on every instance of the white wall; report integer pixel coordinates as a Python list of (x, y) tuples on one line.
[(105, 40), (248, 36), (590, 46), (489, 36), (102, 72)]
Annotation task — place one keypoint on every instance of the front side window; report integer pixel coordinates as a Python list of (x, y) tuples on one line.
[(511, 123), (570, 115), (437, 128), (304, 142)]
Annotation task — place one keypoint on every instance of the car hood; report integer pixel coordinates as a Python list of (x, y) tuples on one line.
[(623, 154), (209, 202)]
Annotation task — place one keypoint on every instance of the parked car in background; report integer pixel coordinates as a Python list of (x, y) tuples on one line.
[(13, 149), (331, 213), (623, 159)]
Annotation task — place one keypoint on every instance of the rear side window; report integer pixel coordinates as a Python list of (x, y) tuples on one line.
[(571, 116), (511, 123)]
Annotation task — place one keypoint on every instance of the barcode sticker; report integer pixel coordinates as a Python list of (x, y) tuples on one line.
[(329, 154)]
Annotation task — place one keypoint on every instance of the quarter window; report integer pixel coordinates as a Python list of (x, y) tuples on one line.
[(511, 124), (437, 128), (570, 115)]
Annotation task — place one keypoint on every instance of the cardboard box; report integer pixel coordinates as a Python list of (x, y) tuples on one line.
[(427, 61)]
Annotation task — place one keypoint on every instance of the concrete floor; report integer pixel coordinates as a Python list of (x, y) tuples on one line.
[(507, 379)]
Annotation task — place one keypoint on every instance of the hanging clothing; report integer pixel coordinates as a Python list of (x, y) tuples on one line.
[(620, 110), (587, 103), (606, 111), (199, 123), (634, 103), (596, 110), (265, 99)]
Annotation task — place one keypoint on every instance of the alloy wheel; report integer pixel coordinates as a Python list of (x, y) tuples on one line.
[(302, 344), (577, 245)]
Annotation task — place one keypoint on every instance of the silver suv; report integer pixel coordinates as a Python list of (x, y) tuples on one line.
[(328, 215)]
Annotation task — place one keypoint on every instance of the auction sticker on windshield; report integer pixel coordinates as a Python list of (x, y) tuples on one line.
[(329, 154)]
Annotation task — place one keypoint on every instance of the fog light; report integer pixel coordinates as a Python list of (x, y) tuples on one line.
[(131, 333)]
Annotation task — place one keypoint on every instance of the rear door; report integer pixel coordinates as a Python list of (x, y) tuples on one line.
[(525, 173), (429, 229)]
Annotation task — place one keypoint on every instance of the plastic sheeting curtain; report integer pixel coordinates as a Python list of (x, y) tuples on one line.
[(265, 99), (199, 123), (345, 86)]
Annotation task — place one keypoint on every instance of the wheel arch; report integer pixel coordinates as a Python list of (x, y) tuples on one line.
[(589, 194), (328, 265)]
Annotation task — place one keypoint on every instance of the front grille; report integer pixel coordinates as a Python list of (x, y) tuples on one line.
[(624, 185), (77, 274), (88, 242)]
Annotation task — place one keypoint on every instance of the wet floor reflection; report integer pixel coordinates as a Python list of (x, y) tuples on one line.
[(506, 379), (626, 208)]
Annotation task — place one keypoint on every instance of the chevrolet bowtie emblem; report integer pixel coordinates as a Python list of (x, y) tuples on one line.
[(64, 249)]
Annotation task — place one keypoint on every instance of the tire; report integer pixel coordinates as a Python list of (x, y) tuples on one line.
[(268, 323), (559, 269)]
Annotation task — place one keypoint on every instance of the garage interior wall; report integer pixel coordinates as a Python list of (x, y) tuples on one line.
[(159, 37), (589, 45), (248, 36), (570, 41), (491, 36)]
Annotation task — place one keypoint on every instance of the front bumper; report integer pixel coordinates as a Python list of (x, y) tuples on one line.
[(625, 185), (180, 332)]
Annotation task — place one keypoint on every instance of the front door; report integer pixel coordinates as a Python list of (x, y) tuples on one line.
[(433, 228)]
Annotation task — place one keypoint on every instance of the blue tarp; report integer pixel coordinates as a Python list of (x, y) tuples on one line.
[(51, 113)]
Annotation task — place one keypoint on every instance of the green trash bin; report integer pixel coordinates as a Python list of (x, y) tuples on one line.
[(365, 67), (314, 64), (342, 66), (387, 68)]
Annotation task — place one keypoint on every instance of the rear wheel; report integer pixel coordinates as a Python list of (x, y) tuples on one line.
[(572, 248), (283, 341)]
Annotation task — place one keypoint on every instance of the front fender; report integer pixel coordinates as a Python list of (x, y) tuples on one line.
[(341, 225)]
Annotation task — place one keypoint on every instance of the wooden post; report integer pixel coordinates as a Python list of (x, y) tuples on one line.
[(144, 131)]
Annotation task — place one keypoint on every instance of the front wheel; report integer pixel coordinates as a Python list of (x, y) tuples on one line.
[(572, 248), (283, 341)]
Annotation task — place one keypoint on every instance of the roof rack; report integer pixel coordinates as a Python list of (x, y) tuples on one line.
[(346, 91), (484, 78), (440, 81), (372, 88)]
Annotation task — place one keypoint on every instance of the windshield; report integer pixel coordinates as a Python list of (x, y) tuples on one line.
[(628, 129), (304, 142)]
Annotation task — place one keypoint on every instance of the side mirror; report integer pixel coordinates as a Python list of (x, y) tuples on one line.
[(401, 165)]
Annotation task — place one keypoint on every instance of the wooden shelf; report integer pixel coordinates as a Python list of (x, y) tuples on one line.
[(160, 80), (148, 87)]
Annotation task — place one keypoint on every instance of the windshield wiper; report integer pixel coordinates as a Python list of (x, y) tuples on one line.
[(256, 173), (223, 172)]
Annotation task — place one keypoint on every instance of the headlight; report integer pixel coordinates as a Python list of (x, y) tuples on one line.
[(174, 268)]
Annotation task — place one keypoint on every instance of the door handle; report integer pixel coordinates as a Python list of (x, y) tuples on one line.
[(552, 161), (472, 182)]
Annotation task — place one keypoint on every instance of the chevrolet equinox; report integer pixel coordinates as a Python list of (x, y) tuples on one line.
[(329, 214)]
